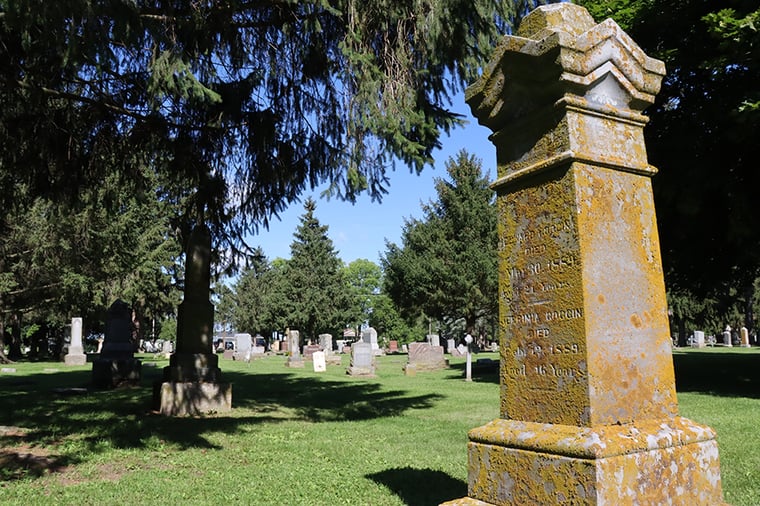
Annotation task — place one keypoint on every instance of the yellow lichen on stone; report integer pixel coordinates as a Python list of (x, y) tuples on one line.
[(588, 405)]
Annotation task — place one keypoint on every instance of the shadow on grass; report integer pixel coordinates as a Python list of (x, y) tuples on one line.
[(420, 487), (43, 410), (485, 372), (725, 374), (319, 400)]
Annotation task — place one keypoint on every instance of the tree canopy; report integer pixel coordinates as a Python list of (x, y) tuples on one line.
[(238, 105), (702, 137)]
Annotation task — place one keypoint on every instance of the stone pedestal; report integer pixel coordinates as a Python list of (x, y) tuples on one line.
[(589, 413), (192, 382), (116, 365), (75, 355)]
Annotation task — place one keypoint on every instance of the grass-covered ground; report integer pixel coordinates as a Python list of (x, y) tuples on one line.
[(299, 437)]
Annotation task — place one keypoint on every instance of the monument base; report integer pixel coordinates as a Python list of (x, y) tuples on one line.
[(191, 398), (413, 369), (361, 371), (673, 461), (294, 362), (113, 373), (75, 359), (333, 359)]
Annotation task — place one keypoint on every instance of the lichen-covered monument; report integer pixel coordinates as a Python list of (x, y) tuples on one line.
[(589, 413)]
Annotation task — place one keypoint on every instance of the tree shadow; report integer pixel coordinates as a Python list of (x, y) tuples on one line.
[(322, 400), (485, 371), (724, 374), (420, 487), (48, 407)]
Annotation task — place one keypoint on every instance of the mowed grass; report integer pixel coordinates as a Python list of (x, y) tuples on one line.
[(296, 437)]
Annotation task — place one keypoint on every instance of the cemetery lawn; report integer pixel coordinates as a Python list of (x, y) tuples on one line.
[(296, 437)]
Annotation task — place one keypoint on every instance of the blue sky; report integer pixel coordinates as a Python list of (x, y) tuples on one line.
[(360, 230)]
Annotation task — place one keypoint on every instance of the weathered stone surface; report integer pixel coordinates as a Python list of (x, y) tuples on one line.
[(589, 413), (176, 398), (424, 357), (362, 360), (192, 382), (640, 463)]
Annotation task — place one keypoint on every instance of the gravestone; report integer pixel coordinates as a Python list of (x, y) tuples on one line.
[(744, 337), (192, 382), (116, 365), (392, 346), (326, 344), (309, 350), (362, 360), (295, 359), (424, 357), (434, 339), (727, 337), (369, 335), (699, 339), (75, 355), (589, 413), (167, 348), (320, 364), (243, 345)]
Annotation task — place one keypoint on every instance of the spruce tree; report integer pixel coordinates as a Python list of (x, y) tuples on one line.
[(316, 300), (446, 265)]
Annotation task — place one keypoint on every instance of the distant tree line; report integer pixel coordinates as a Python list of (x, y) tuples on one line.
[(442, 277)]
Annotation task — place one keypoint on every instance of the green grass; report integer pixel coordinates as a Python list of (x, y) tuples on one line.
[(299, 437)]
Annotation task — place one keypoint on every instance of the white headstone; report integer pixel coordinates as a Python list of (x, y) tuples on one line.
[(699, 339), (76, 355), (320, 363), (727, 336)]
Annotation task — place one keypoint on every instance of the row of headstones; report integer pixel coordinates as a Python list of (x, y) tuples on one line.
[(698, 339)]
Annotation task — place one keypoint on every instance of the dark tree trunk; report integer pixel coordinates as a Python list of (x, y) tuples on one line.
[(749, 315), (14, 346), (3, 358)]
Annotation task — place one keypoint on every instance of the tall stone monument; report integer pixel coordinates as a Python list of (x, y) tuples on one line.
[(192, 382), (295, 359), (75, 355), (589, 413)]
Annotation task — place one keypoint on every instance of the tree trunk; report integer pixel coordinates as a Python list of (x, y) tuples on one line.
[(14, 346), (681, 323), (749, 315), (3, 358)]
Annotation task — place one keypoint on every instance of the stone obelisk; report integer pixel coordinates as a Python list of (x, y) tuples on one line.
[(192, 382), (589, 413)]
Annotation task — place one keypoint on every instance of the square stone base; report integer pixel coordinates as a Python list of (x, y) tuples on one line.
[(672, 461), (192, 398), (75, 359), (294, 362), (107, 373), (361, 371)]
